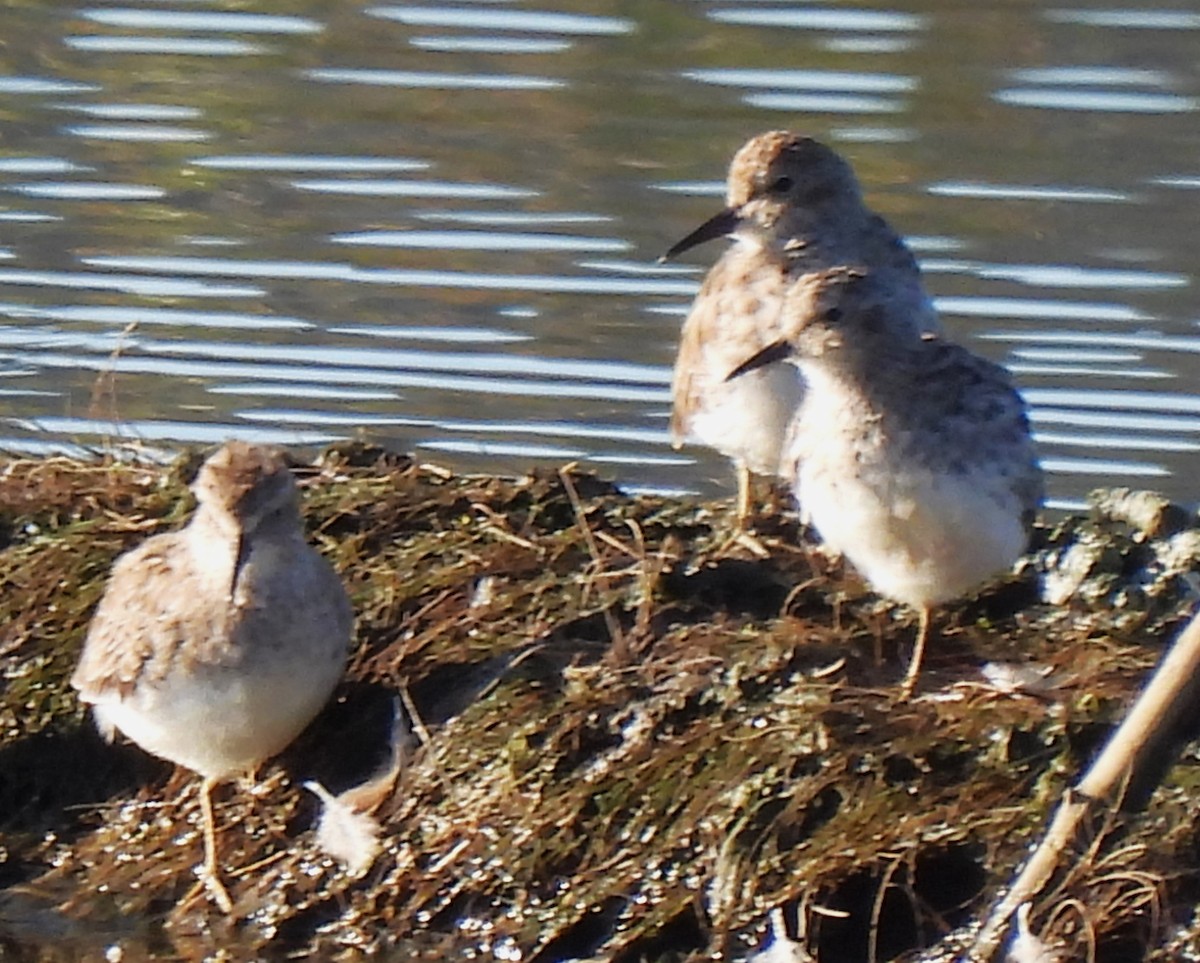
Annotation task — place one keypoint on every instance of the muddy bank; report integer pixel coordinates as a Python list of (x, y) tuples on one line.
[(636, 737)]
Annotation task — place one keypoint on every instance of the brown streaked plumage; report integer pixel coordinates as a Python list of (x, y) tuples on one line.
[(911, 455), (794, 208), (214, 646)]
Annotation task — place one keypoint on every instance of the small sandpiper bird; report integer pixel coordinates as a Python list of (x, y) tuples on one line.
[(910, 455), (794, 208), (214, 646)]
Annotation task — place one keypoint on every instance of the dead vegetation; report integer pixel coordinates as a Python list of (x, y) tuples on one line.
[(636, 740)]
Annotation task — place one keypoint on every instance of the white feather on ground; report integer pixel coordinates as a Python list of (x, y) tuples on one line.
[(346, 830)]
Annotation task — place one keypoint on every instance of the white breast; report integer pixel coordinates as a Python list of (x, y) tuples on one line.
[(918, 535), (747, 419)]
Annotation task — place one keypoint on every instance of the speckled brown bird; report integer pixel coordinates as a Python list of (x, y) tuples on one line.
[(214, 646), (911, 455), (794, 208)]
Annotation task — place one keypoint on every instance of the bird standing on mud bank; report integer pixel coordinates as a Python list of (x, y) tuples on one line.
[(910, 455), (794, 209), (214, 646)]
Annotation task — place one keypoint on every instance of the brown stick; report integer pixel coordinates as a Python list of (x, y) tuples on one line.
[(1153, 714)]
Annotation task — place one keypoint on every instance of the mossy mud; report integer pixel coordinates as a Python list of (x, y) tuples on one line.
[(637, 738)]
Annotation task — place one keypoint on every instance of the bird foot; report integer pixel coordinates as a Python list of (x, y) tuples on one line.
[(216, 889)]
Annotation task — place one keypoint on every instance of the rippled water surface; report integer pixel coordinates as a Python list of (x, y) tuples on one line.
[(436, 226)]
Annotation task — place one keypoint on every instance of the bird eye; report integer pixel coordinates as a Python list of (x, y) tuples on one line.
[(781, 186)]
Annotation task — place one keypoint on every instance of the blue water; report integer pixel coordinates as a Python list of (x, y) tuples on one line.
[(436, 226)]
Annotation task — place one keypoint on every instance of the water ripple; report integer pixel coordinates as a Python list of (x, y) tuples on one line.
[(43, 85), (27, 392), (499, 45), (310, 270), (1142, 19), (133, 133), (135, 111), (188, 432), (308, 357), (1117, 101), (1146, 340), (1113, 400), (28, 217), (1077, 276), (1189, 182), (42, 448), (472, 363), (873, 135), (129, 284), (934, 243), (213, 370), (1074, 370), (181, 46), (1109, 355), (89, 191), (184, 20), (455, 334), (1090, 76), (822, 18), (428, 79), (177, 317), (826, 103), (692, 188), (398, 188), (320, 270), (481, 241), (332, 419), (307, 162), (514, 218), (868, 44), (527, 21), (544, 283), (512, 448), (39, 165), (842, 81), (1105, 418), (1038, 308), (500, 449), (652, 268), (1128, 442), (564, 429), (310, 391), (1106, 467), (1025, 192)]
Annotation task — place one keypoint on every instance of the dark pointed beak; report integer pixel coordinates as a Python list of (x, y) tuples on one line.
[(239, 562), (778, 351), (719, 225)]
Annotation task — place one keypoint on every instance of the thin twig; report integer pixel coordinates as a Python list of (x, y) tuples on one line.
[(106, 378), (616, 636), (877, 909)]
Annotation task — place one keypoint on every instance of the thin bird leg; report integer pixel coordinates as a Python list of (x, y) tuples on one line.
[(745, 492), (212, 879), (914, 664), (741, 535)]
